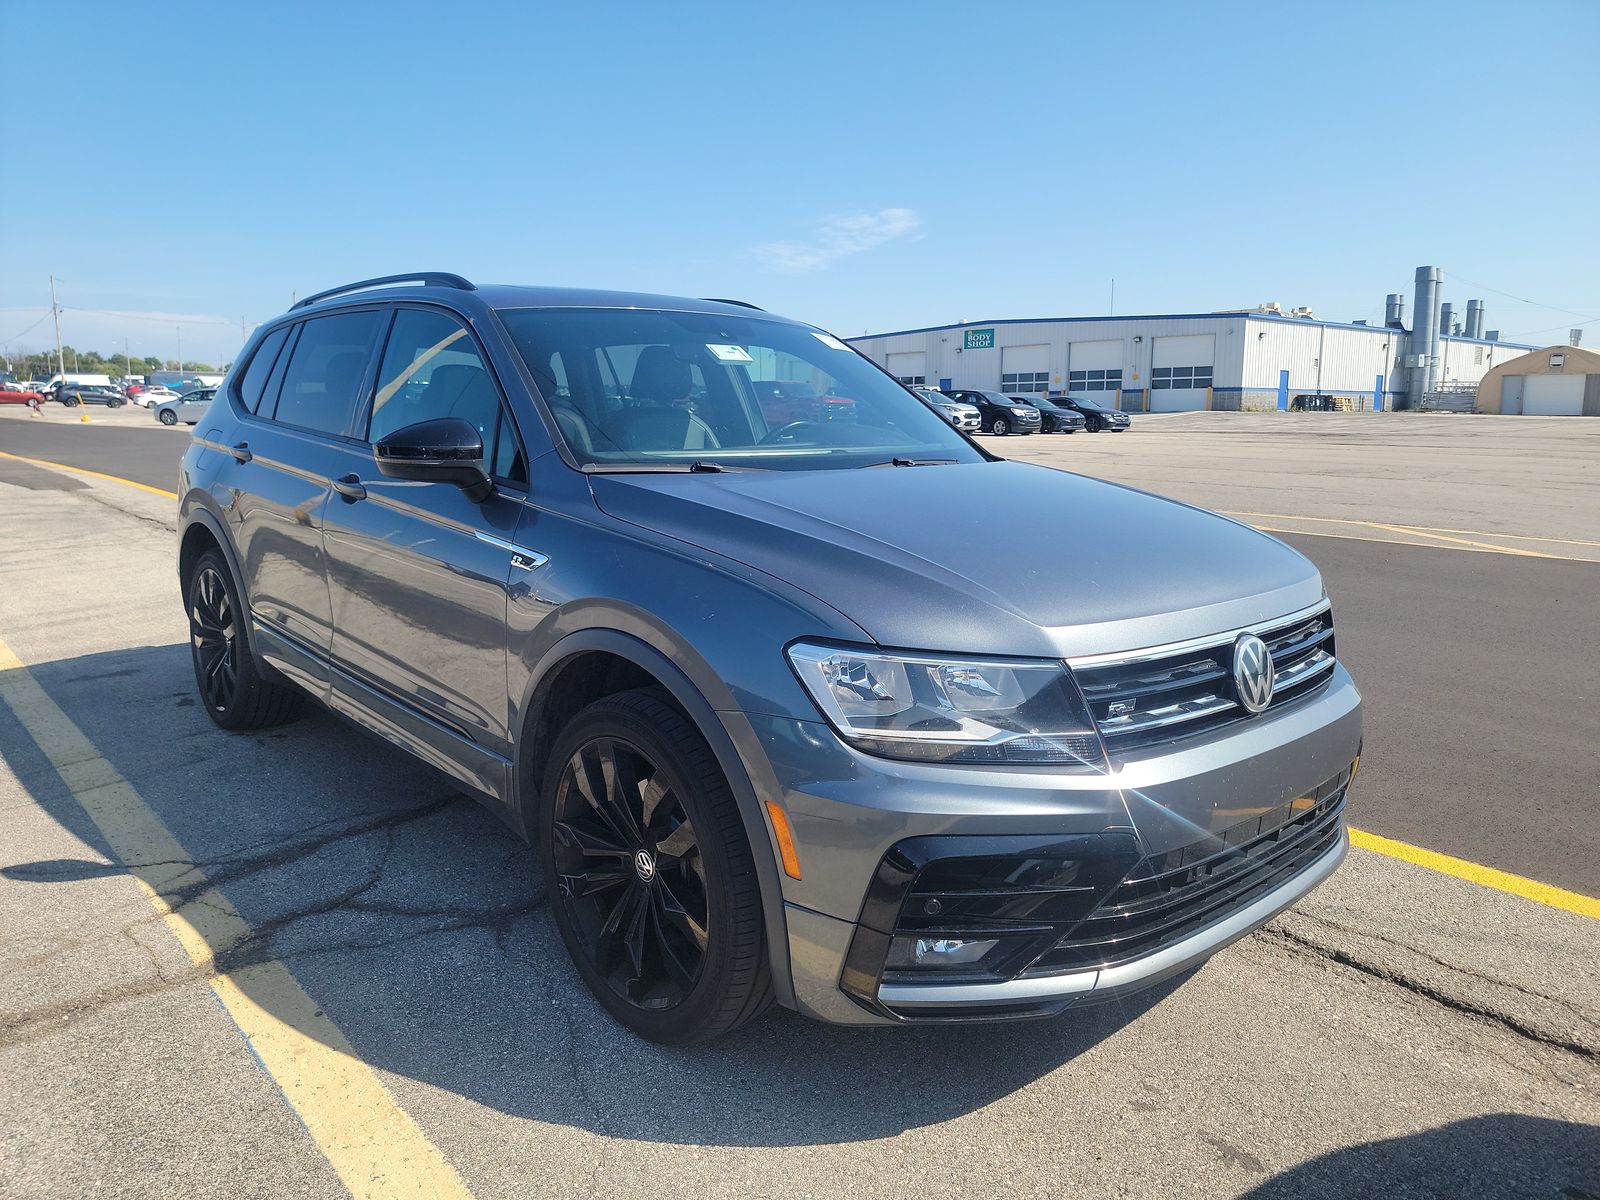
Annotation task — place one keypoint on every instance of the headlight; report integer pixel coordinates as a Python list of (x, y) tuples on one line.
[(954, 710), (1022, 412)]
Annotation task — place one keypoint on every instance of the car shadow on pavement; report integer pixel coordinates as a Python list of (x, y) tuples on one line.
[(419, 924), (1500, 1155)]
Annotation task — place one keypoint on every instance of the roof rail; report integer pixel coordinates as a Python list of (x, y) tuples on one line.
[(725, 300), (427, 278)]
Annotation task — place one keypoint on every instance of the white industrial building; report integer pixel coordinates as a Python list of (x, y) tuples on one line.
[(1257, 359)]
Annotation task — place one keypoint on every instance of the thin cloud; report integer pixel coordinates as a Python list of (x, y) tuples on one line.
[(839, 237)]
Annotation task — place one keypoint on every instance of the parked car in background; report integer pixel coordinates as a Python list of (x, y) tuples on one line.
[(74, 394), (1001, 414), (151, 394), (784, 402), (1053, 418), (17, 393), (1096, 416), (187, 408), (962, 416), (101, 381)]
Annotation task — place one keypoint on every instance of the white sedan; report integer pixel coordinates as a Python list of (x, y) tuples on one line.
[(188, 409), (153, 395)]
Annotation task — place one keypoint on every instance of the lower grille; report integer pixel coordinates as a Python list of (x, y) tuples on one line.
[(1031, 906), (1169, 896)]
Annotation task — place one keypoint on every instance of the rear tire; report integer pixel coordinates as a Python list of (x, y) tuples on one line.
[(650, 874), (233, 687)]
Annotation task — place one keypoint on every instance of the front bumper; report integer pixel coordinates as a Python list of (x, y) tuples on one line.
[(850, 811)]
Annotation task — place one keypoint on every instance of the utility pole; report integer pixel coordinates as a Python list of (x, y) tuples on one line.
[(55, 311), (179, 328), (127, 358), (1113, 311)]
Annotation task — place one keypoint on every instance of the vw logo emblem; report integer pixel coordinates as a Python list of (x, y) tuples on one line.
[(1252, 672), (644, 866)]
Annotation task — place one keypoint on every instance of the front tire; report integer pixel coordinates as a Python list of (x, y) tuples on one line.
[(167, 417), (1001, 427), (650, 874), (232, 685)]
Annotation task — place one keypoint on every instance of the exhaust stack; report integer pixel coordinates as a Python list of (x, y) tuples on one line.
[(1424, 356)]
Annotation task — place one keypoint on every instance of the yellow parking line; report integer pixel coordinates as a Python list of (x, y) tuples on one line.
[(1386, 541), (40, 462), (1502, 881), (1420, 530), (372, 1143), (1411, 531)]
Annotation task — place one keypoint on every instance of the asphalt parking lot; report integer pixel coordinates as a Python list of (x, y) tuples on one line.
[(198, 926)]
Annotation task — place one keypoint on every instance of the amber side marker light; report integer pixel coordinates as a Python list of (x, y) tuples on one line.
[(785, 836)]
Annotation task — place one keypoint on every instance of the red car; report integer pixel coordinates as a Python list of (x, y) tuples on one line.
[(10, 393), (783, 402)]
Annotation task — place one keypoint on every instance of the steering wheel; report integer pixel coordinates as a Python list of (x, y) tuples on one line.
[(785, 431)]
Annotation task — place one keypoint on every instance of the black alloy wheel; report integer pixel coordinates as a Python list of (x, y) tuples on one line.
[(237, 694), (1001, 427), (213, 637), (649, 871), (630, 873)]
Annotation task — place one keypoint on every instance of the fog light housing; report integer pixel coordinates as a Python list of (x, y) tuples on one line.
[(937, 953)]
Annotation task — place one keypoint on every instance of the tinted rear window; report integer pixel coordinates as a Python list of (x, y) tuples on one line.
[(325, 368)]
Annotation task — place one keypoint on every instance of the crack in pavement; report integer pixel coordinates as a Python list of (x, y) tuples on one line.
[(256, 945), (1587, 1016), (1299, 943)]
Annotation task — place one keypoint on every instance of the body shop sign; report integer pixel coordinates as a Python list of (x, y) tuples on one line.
[(977, 339)]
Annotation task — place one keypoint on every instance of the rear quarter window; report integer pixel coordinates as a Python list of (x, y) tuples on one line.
[(254, 383)]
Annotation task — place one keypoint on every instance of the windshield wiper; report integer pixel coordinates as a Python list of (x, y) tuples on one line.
[(910, 462), (699, 466)]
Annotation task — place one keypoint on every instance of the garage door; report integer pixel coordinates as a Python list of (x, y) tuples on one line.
[(1025, 370), (1553, 395), (1180, 372), (910, 367), (1094, 371)]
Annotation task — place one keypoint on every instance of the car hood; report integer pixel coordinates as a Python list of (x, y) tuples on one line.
[(966, 558)]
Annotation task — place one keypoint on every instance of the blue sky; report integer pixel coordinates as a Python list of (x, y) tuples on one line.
[(862, 166)]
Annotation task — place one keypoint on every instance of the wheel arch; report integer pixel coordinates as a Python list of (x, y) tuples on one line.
[(203, 530), (627, 662)]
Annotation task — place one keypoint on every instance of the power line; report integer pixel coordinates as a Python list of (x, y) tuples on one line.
[(1581, 321), (28, 330), (130, 316), (1518, 299)]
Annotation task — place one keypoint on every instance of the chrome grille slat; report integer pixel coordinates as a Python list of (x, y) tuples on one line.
[(1154, 696)]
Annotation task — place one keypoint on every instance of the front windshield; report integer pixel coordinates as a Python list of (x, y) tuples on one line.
[(1007, 400), (632, 388)]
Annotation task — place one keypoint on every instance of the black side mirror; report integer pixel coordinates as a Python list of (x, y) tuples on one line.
[(443, 450)]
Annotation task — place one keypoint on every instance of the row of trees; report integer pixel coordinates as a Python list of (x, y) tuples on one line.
[(41, 364)]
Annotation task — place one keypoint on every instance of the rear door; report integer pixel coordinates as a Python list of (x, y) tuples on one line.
[(417, 573), (288, 449)]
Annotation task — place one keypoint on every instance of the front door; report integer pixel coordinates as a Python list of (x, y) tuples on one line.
[(1511, 395), (418, 573)]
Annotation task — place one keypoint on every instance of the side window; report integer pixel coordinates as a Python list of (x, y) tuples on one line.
[(324, 371), (254, 383), (432, 368)]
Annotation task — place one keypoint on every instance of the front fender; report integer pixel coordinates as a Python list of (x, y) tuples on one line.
[(700, 694)]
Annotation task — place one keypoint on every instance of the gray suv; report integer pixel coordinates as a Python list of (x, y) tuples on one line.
[(777, 734)]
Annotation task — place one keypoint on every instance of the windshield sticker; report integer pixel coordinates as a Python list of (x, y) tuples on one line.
[(827, 339), (733, 354)]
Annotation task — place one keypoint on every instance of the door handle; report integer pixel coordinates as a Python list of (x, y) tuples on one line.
[(349, 486), (241, 452)]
